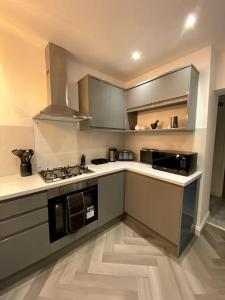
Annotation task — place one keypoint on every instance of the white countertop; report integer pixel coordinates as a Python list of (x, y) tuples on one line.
[(14, 186)]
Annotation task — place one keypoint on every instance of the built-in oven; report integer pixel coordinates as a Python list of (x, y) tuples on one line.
[(72, 207)]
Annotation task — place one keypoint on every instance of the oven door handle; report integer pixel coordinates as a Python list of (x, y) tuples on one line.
[(84, 208), (67, 210)]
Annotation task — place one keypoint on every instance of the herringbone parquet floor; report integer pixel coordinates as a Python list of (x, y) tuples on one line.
[(121, 264)]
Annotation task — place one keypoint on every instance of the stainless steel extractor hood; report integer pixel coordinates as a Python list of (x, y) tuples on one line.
[(57, 88)]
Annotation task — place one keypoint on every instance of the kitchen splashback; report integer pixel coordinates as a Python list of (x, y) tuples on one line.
[(60, 144)]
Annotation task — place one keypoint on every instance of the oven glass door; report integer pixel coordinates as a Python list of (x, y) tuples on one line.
[(57, 218)]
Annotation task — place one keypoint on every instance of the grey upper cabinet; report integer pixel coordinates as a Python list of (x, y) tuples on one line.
[(182, 83), (104, 102), (139, 95), (111, 192), (173, 85)]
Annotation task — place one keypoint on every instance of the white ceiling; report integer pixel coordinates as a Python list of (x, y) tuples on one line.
[(103, 33)]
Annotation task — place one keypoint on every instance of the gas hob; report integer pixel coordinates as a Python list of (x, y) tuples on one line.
[(51, 175)]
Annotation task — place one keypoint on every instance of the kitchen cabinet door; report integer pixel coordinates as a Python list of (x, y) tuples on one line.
[(137, 197), (110, 197), (165, 209), (98, 107), (139, 96), (104, 102), (173, 85), (115, 108), (24, 249)]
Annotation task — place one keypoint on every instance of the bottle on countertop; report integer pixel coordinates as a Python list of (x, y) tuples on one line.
[(83, 160)]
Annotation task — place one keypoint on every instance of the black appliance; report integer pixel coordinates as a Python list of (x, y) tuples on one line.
[(25, 156), (99, 161), (182, 163), (50, 175), (72, 207), (146, 155), (125, 155)]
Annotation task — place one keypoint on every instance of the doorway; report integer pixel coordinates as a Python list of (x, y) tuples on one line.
[(217, 198)]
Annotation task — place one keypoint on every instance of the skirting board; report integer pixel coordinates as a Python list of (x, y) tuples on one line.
[(198, 229)]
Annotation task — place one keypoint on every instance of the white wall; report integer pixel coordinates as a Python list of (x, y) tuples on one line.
[(220, 71), (22, 93)]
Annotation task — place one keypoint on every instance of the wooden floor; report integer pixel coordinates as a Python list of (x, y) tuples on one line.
[(122, 264)]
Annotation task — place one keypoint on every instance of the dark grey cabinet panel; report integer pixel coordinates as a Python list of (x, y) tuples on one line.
[(104, 102), (139, 96), (24, 249), (22, 222), (189, 214), (23, 204), (110, 197), (176, 84)]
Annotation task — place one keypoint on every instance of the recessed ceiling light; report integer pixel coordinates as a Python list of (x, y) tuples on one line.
[(136, 55), (190, 21)]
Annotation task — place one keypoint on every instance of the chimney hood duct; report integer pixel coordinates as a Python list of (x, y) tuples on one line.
[(57, 88)]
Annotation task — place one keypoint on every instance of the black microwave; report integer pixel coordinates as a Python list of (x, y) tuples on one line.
[(178, 162)]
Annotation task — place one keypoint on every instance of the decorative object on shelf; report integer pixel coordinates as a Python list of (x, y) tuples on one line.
[(137, 127), (143, 127), (173, 122), (155, 124), (25, 156)]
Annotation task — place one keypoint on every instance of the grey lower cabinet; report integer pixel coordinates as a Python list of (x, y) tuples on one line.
[(167, 209), (104, 102), (24, 233), (23, 249), (111, 191)]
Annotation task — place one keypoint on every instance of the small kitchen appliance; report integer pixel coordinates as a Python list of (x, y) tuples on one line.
[(146, 155), (25, 156), (112, 154), (125, 155), (178, 162)]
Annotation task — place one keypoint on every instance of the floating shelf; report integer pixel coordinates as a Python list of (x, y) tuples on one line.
[(181, 129)]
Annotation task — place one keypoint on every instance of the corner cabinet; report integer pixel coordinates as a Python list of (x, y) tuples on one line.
[(104, 102), (111, 192), (167, 209)]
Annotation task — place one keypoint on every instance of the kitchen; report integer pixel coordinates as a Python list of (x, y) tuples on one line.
[(112, 189)]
